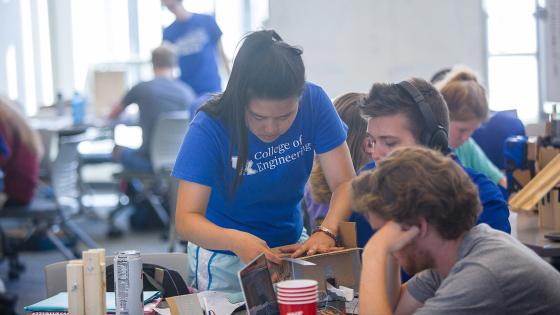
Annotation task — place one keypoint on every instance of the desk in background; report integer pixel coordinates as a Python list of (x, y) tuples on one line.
[(531, 235)]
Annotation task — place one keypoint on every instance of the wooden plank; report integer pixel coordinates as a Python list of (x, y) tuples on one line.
[(94, 289), (528, 197), (75, 287)]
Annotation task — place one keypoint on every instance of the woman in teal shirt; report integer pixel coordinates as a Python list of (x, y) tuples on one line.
[(468, 109)]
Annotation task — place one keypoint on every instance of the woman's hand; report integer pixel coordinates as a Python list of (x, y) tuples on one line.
[(247, 246), (317, 243)]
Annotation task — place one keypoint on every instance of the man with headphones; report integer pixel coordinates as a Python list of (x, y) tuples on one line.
[(412, 113)]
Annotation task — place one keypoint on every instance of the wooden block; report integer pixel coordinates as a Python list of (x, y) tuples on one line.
[(94, 280), (528, 197), (532, 148), (549, 210), (523, 177), (102, 263), (546, 155), (75, 287)]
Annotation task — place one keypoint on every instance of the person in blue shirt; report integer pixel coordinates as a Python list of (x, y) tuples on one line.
[(396, 119), (246, 158), (164, 93), (197, 40), (492, 134)]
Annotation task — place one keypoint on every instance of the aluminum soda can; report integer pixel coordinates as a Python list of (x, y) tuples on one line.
[(128, 283)]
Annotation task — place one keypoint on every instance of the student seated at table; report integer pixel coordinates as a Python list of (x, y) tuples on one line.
[(492, 134), (23, 151), (162, 94), (317, 194), (395, 120), (468, 109), (426, 224), (246, 158)]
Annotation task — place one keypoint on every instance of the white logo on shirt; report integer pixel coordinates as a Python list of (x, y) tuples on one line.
[(275, 156), (192, 42), (248, 167)]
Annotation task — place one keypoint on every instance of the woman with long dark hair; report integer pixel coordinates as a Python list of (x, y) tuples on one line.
[(246, 158)]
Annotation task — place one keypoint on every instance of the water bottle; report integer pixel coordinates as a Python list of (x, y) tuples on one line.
[(78, 109), (59, 104)]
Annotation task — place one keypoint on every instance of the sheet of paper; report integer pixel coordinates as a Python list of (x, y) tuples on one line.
[(217, 302), (163, 311)]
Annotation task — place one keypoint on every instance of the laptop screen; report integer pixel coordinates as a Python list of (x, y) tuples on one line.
[(256, 284)]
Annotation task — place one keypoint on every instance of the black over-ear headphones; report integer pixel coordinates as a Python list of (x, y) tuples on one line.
[(434, 135)]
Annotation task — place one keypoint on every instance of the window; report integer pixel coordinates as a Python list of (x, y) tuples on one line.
[(513, 76)]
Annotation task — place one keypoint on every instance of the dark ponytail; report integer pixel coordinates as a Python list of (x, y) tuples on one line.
[(265, 67)]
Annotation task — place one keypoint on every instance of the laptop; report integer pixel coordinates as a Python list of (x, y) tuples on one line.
[(256, 283)]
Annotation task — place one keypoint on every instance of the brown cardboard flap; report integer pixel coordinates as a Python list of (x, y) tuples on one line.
[(532, 148), (546, 155), (343, 265), (347, 234), (523, 177)]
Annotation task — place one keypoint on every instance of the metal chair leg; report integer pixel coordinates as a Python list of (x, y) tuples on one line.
[(68, 254), (159, 209), (82, 236)]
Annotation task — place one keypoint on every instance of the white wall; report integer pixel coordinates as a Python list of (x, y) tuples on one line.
[(349, 44), (11, 70)]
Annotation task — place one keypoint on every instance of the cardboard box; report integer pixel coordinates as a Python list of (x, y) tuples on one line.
[(340, 267), (532, 148), (549, 210), (546, 154)]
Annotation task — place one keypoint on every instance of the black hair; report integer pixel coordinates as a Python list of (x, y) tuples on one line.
[(265, 67), (440, 75)]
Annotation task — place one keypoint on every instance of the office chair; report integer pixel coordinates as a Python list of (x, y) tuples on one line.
[(48, 216), (168, 133)]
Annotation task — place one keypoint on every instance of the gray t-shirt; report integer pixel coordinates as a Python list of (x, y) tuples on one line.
[(495, 274), (155, 97)]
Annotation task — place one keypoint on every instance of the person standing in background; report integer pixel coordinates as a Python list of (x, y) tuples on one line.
[(197, 41)]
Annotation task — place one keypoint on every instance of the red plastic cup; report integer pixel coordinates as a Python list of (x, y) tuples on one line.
[(297, 297), (296, 285), (314, 290), (308, 307), (291, 296)]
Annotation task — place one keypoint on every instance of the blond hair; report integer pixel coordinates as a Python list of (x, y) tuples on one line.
[(347, 107), (16, 126), (464, 95)]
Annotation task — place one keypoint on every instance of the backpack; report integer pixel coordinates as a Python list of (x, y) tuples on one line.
[(144, 217), (155, 278)]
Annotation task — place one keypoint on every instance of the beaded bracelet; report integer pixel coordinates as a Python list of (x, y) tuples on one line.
[(326, 231)]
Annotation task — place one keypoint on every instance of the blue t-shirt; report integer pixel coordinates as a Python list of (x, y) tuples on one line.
[(195, 40), (267, 200), (495, 211), (492, 135)]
